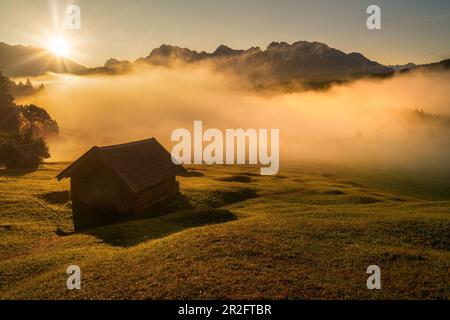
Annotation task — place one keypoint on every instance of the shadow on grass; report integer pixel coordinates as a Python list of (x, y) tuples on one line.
[(193, 174), (15, 172), (131, 233), (236, 178), (56, 197), (62, 233), (221, 198)]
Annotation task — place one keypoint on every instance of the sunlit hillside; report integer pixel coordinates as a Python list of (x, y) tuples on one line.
[(309, 232)]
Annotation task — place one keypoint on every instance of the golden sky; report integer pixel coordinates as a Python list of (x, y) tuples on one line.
[(412, 31)]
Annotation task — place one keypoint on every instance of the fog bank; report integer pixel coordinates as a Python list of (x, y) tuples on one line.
[(367, 121)]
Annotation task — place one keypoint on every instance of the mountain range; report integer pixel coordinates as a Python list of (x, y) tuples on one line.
[(302, 61), (280, 63)]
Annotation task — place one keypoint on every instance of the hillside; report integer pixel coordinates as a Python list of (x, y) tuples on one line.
[(436, 66), (19, 60), (310, 232)]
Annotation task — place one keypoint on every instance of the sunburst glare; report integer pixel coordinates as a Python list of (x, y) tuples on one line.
[(59, 46)]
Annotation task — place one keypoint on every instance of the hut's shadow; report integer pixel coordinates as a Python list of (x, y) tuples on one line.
[(167, 217), (131, 233)]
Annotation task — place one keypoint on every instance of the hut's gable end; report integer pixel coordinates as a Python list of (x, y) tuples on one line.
[(99, 187), (99, 197)]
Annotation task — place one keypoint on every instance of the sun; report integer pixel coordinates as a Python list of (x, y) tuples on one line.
[(59, 46)]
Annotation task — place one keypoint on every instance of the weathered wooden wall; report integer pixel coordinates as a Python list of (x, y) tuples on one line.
[(98, 198), (157, 193)]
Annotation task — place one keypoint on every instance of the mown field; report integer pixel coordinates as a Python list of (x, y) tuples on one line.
[(308, 233)]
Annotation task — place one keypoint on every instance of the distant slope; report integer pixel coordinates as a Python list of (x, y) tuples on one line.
[(437, 66), (400, 67), (16, 61)]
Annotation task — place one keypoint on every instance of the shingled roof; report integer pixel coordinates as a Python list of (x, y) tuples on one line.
[(139, 164)]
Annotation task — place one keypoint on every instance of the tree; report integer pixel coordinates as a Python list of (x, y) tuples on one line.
[(26, 151), (38, 121), (23, 130), (6, 98), (8, 113)]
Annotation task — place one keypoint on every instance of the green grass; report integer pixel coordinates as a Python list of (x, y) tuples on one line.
[(308, 233)]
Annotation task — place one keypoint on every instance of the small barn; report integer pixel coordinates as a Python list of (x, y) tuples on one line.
[(115, 183)]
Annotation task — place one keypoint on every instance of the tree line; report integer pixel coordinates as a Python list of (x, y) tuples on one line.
[(23, 130)]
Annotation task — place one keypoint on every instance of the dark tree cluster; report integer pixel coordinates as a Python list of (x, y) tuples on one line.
[(21, 90), (23, 130)]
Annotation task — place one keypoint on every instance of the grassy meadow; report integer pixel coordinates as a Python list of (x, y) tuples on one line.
[(308, 233)]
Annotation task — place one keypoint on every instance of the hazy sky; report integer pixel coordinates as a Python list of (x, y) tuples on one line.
[(413, 30)]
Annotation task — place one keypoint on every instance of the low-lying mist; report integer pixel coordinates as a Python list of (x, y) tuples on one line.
[(376, 122)]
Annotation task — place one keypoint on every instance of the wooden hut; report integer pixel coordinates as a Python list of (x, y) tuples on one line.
[(114, 183)]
